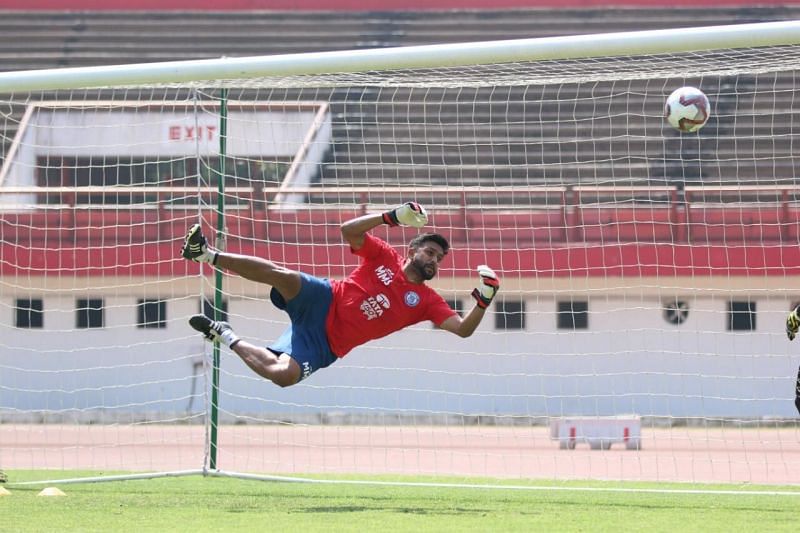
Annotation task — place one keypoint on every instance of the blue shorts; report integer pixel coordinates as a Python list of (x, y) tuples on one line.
[(305, 340)]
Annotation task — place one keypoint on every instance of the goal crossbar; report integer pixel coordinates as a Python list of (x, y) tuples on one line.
[(781, 33)]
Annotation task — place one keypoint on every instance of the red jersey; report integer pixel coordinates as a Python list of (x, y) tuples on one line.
[(377, 299)]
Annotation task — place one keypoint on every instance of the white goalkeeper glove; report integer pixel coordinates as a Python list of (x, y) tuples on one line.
[(408, 214), (793, 323), (487, 288)]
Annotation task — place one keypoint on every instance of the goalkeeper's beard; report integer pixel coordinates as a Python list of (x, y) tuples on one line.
[(419, 268)]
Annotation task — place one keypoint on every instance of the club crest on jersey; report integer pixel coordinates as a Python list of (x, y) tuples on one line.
[(411, 298)]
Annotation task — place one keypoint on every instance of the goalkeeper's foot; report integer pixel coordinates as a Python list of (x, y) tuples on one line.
[(214, 331), (195, 247)]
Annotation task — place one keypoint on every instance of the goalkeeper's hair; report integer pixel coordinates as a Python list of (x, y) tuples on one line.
[(422, 238)]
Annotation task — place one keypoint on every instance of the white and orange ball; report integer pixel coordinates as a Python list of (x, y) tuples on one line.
[(687, 109)]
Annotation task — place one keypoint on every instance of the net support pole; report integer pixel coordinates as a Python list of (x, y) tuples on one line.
[(223, 135)]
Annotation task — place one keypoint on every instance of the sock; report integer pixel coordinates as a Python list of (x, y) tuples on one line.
[(229, 338), (208, 256)]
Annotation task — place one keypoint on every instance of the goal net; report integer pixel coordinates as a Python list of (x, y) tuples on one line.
[(645, 274)]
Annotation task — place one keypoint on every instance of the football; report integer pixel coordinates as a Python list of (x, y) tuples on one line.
[(687, 109)]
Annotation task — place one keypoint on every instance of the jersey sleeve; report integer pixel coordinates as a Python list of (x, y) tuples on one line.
[(439, 310), (375, 248)]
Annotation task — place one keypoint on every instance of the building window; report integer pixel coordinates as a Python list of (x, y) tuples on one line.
[(676, 312), (29, 313), (152, 314), (208, 309), (741, 316), (573, 315), (509, 314), (89, 313)]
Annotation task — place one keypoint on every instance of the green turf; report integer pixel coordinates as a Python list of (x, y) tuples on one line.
[(223, 504)]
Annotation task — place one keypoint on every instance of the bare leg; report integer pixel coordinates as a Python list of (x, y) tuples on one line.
[(285, 281), (281, 370)]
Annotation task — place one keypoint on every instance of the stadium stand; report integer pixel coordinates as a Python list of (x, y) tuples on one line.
[(33, 40), (368, 148)]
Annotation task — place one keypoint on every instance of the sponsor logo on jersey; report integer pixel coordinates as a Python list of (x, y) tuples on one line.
[(385, 275), (411, 298), (374, 306), (306, 369)]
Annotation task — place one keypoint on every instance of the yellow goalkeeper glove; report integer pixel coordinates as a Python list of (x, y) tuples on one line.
[(793, 323)]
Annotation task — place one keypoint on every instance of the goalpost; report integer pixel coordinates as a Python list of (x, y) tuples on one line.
[(645, 274)]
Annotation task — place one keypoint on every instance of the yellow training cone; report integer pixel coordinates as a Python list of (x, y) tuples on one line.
[(51, 491), (4, 492)]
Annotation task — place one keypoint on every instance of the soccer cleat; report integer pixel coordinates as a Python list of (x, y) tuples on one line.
[(195, 246), (214, 331)]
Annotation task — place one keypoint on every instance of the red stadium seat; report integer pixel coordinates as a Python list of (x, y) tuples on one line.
[(626, 224), (735, 224)]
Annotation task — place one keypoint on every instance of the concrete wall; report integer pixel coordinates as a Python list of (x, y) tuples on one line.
[(630, 360)]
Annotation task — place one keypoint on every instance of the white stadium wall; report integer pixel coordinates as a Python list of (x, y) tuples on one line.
[(628, 361)]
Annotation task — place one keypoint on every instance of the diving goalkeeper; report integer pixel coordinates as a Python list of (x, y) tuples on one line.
[(792, 325), (384, 294)]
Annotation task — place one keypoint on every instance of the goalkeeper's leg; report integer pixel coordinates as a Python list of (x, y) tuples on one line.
[(281, 369), (285, 281), (278, 368)]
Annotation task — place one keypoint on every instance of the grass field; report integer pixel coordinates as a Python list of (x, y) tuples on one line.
[(225, 504)]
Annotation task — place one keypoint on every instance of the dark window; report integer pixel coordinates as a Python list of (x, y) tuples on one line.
[(30, 313), (89, 313), (208, 309), (509, 314), (573, 315), (676, 312), (741, 316), (152, 314)]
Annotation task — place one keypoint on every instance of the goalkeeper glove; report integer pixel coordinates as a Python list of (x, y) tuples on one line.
[(793, 323), (408, 214), (487, 288)]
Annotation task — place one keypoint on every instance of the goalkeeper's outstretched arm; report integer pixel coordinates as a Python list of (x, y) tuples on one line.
[(484, 293), (408, 214)]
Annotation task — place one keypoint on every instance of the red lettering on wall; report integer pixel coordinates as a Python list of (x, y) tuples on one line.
[(191, 133)]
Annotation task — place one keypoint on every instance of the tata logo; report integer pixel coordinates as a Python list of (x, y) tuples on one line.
[(373, 307), (383, 300), (411, 298)]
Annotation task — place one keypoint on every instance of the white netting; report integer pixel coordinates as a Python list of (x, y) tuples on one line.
[(645, 274)]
